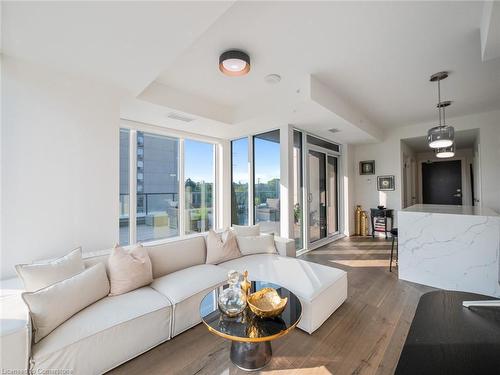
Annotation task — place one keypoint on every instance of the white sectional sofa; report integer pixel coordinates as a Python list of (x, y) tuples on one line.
[(116, 329)]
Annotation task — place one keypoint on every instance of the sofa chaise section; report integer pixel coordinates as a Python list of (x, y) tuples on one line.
[(320, 289)]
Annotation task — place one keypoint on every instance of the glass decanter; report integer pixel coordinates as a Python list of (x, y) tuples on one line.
[(232, 300)]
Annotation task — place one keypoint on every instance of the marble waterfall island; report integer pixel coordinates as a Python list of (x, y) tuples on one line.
[(450, 247)]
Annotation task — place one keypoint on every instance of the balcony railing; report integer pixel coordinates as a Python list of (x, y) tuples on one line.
[(148, 203)]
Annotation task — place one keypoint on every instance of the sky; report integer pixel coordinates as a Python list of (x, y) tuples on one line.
[(267, 160), (198, 161)]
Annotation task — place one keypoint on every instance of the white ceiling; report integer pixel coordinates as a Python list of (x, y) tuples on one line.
[(370, 61), (463, 139), (126, 43), (377, 56)]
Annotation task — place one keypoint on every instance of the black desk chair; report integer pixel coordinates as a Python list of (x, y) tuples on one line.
[(394, 234)]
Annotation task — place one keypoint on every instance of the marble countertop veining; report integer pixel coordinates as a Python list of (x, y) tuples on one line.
[(451, 209)]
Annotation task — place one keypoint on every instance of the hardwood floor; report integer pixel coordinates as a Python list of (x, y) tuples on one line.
[(364, 336)]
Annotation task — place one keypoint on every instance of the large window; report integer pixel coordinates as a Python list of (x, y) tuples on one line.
[(199, 185), (153, 190), (157, 187), (240, 179), (266, 151)]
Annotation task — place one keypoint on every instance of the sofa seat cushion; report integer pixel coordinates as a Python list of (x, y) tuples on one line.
[(321, 289), (185, 289), (106, 333)]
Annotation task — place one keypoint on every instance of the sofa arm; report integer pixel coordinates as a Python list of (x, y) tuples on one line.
[(285, 246), (15, 331)]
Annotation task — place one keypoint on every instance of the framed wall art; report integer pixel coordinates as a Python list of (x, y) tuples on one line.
[(367, 167), (385, 183)]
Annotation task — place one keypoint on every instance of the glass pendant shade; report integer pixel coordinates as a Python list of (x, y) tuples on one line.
[(441, 136), (447, 152)]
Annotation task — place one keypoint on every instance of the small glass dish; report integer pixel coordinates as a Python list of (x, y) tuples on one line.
[(232, 301)]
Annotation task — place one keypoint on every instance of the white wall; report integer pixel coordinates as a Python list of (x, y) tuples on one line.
[(409, 190), (59, 164), (348, 180), (476, 160), (388, 161)]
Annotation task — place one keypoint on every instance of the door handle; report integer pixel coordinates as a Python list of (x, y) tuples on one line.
[(457, 195)]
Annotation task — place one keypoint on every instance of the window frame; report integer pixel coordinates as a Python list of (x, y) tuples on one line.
[(181, 136)]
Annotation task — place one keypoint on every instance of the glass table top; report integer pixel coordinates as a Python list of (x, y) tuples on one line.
[(247, 326)]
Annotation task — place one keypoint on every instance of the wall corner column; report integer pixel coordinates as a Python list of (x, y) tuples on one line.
[(286, 181)]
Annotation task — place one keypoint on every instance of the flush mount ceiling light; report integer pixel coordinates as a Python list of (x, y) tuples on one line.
[(447, 152), (442, 135), (234, 63)]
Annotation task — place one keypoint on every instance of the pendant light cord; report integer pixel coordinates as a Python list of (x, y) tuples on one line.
[(439, 101)]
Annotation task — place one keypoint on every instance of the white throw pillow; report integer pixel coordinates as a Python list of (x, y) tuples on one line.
[(221, 248), (263, 244), (36, 276), (247, 230), (50, 307), (129, 270)]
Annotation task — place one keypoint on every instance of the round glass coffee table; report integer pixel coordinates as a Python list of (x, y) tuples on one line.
[(250, 335)]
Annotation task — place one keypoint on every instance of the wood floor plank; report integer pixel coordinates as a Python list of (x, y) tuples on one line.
[(364, 336)]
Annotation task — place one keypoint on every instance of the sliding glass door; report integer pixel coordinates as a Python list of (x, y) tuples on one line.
[(322, 195), (317, 196), (332, 195)]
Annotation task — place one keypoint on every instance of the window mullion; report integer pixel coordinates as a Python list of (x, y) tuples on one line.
[(182, 192), (215, 190), (251, 182), (133, 187)]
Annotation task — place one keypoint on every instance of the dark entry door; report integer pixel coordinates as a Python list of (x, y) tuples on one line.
[(442, 182)]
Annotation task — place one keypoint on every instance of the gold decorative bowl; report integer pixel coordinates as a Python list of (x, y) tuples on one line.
[(266, 303)]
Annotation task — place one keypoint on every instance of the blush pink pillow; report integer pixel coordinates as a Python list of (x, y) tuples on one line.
[(129, 270), (221, 248)]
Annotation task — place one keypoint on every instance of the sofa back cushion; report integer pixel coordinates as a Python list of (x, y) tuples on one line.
[(247, 230), (263, 244), (166, 258), (177, 255), (96, 257), (51, 306)]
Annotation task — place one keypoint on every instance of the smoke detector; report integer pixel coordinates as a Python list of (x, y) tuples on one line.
[(272, 79), (333, 130), (179, 117)]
